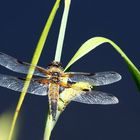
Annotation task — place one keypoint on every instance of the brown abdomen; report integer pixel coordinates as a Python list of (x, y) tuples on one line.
[(53, 95)]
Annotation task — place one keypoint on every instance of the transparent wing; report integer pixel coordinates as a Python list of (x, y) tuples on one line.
[(95, 97), (16, 84), (96, 79), (17, 66)]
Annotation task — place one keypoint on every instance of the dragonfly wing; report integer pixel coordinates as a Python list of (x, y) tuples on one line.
[(17, 84), (15, 65), (95, 97), (96, 79)]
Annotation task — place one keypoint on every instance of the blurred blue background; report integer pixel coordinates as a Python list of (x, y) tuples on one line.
[(21, 23)]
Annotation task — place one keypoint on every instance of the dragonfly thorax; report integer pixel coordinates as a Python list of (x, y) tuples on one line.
[(55, 78), (55, 71)]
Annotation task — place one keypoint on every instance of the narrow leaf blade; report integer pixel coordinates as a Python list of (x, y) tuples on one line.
[(92, 43), (34, 62)]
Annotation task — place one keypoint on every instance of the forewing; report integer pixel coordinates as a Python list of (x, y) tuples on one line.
[(17, 84), (15, 65), (96, 79), (95, 97)]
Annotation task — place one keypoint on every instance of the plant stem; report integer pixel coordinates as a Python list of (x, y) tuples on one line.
[(34, 62), (48, 128), (50, 124), (62, 31)]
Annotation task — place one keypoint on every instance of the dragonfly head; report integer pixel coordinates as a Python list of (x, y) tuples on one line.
[(55, 64)]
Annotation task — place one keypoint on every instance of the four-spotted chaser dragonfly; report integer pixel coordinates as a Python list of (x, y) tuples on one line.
[(58, 85)]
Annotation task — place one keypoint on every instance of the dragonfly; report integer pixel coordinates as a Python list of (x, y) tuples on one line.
[(60, 86)]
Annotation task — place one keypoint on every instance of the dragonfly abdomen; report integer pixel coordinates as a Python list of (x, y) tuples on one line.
[(53, 95)]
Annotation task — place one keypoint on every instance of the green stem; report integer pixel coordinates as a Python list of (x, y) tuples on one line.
[(50, 124), (34, 62), (62, 31), (48, 128)]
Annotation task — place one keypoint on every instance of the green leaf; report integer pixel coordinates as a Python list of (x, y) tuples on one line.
[(34, 62), (92, 43), (62, 30)]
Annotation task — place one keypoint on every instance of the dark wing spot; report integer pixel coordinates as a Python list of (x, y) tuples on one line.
[(71, 82), (23, 79), (23, 63), (85, 89)]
